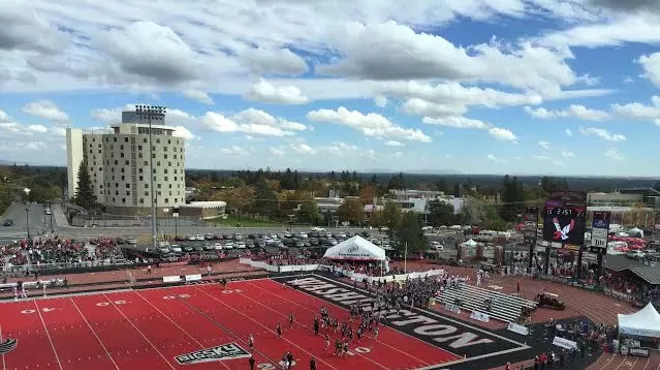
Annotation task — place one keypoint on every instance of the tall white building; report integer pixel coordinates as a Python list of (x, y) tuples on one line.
[(119, 165)]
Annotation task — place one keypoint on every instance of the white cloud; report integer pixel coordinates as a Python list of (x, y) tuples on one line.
[(380, 101), (184, 133), (266, 92), (251, 121), (640, 111), (370, 124), (544, 144), (47, 110), (4, 117), (493, 158), (235, 150), (425, 108), (37, 128), (503, 134), (544, 158), (340, 148), (614, 154), (277, 151), (567, 154), (602, 133), (457, 122), (199, 96), (393, 143), (374, 51), (569, 132), (573, 111), (273, 61)]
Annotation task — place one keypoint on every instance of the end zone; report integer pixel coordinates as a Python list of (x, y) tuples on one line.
[(451, 335)]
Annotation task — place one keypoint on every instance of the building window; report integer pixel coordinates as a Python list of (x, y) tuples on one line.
[(122, 170), (113, 179), (121, 147), (128, 193), (146, 193), (126, 140), (165, 156), (139, 155), (141, 200), (113, 200), (167, 200), (116, 185), (158, 193), (127, 163), (159, 186), (146, 186), (175, 178), (146, 163), (116, 162), (170, 186), (144, 140), (139, 147), (157, 141), (165, 171), (123, 200), (141, 178), (121, 155), (175, 156), (157, 163), (122, 178), (140, 170), (114, 139), (166, 179), (116, 192), (169, 164), (128, 186)]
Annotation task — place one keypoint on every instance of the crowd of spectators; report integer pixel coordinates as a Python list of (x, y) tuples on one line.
[(54, 250)]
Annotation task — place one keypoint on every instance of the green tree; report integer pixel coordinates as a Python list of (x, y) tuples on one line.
[(410, 233), (391, 217), (309, 213), (441, 213), (85, 194), (397, 182), (352, 211), (513, 198), (265, 199)]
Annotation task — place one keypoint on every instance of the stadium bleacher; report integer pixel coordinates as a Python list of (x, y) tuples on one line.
[(503, 307)]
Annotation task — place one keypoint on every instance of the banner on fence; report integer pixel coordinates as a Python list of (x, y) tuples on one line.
[(193, 277), (619, 295), (479, 316), (639, 352), (452, 308), (564, 343), (518, 329), (171, 279)]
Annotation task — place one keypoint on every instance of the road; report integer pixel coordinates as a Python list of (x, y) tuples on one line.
[(39, 223)]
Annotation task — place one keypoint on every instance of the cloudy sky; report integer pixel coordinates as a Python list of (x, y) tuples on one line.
[(479, 86)]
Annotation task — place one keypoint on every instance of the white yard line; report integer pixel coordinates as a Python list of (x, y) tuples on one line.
[(140, 332), (265, 327), (201, 346), (52, 346), (94, 332), (343, 309)]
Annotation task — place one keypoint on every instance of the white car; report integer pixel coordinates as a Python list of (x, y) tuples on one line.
[(217, 246), (241, 245), (176, 248), (199, 237), (437, 246), (229, 246), (318, 229)]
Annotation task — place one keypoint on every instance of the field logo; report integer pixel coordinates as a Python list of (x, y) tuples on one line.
[(223, 352), (8, 346), (352, 249)]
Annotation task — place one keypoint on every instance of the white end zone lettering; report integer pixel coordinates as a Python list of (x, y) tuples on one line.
[(43, 309), (230, 291), (106, 303), (431, 327), (180, 296), (266, 366)]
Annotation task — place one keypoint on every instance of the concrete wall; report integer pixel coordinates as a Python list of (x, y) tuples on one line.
[(74, 155)]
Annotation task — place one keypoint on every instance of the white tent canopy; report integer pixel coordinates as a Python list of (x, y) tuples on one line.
[(635, 231), (470, 243), (355, 248), (644, 323)]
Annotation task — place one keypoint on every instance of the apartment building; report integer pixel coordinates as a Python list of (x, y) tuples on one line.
[(120, 160)]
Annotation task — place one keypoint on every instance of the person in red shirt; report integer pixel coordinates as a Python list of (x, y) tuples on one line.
[(544, 360), (508, 366)]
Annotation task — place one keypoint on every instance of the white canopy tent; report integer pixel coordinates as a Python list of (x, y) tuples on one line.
[(470, 243), (644, 323), (355, 249), (637, 232)]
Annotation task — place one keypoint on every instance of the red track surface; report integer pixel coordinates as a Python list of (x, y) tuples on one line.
[(146, 329)]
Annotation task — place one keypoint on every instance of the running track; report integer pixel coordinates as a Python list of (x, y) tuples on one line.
[(146, 329)]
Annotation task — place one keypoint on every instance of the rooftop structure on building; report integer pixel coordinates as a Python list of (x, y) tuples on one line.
[(118, 161)]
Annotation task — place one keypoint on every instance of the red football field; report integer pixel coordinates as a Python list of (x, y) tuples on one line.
[(148, 329)]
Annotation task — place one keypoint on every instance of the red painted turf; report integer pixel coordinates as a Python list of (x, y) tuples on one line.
[(146, 329)]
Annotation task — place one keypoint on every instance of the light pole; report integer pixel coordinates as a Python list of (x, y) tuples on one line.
[(27, 210), (150, 112)]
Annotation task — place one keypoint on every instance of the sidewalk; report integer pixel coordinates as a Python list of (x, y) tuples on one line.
[(58, 215)]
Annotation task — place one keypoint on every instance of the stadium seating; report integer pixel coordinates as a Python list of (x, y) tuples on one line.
[(504, 307)]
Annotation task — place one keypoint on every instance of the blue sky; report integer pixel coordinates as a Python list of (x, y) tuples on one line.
[(515, 86)]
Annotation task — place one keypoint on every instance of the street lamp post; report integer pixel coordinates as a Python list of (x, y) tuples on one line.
[(27, 210), (150, 112)]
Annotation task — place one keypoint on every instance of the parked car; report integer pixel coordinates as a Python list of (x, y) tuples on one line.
[(8, 222)]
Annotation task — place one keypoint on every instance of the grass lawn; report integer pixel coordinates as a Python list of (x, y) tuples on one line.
[(244, 222)]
